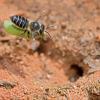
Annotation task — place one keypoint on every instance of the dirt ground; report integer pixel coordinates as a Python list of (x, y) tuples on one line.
[(65, 68)]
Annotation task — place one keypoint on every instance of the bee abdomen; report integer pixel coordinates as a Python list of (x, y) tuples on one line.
[(20, 21)]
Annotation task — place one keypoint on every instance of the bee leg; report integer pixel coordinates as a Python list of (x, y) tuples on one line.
[(34, 35), (25, 31), (28, 35), (22, 34), (42, 37)]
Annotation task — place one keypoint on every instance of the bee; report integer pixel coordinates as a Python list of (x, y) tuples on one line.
[(33, 28)]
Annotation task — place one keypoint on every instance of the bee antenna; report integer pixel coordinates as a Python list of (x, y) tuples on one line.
[(49, 34), (50, 37)]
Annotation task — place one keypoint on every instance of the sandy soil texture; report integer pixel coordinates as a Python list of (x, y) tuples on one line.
[(64, 68)]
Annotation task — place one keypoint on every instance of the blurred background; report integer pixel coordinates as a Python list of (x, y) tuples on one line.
[(73, 54)]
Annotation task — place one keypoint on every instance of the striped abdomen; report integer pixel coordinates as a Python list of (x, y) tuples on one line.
[(19, 21)]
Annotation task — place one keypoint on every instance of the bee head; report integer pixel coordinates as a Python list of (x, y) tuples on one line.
[(34, 26), (39, 28)]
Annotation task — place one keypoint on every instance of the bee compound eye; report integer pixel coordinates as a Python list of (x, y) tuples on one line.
[(42, 28)]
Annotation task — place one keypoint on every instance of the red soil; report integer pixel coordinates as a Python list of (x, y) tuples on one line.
[(46, 73)]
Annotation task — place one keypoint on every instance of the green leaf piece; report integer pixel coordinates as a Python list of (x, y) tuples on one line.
[(13, 30)]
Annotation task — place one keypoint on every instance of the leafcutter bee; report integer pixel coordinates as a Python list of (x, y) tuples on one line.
[(34, 29)]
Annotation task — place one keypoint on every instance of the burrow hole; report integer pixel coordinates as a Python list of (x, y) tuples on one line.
[(75, 72)]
